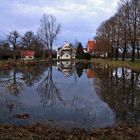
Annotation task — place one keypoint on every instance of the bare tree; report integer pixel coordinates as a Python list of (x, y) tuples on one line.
[(134, 10), (48, 31), (123, 14), (27, 40), (121, 33), (30, 41), (14, 41)]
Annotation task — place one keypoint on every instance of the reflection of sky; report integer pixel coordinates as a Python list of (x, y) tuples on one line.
[(119, 72), (79, 106), (86, 99)]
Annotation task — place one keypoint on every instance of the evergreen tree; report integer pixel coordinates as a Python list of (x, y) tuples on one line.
[(79, 52)]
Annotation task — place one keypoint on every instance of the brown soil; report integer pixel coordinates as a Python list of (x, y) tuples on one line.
[(43, 132)]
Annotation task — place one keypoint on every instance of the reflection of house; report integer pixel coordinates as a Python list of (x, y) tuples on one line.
[(67, 67), (27, 55), (90, 73), (66, 52)]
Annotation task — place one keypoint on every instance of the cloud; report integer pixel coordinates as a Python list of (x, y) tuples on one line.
[(79, 19)]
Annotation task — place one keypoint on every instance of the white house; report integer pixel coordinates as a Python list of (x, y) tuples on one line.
[(66, 52)]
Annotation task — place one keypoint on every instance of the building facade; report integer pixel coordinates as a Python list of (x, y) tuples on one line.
[(66, 52), (91, 46), (27, 55)]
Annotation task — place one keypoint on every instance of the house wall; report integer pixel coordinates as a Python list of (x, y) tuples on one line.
[(66, 56), (27, 55), (28, 58), (91, 46), (67, 52)]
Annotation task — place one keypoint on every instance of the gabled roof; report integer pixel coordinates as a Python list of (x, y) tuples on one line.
[(66, 46)]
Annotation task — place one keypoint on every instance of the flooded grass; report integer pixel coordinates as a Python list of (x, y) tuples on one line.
[(43, 132), (115, 64)]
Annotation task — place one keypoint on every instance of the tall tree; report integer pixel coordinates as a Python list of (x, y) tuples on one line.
[(134, 11), (48, 31), (4, 49), (14, 41), (28, 39)]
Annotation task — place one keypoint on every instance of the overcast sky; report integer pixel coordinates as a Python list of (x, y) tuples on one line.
[(79, 18)]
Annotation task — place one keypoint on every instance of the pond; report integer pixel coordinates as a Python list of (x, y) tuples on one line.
[(69, 94)]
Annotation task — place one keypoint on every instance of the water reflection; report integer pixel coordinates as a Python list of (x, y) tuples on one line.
[(120, 88), (80, 67), (31, 75), (48, 90), (12, 82), (67, 67), (70, 93)]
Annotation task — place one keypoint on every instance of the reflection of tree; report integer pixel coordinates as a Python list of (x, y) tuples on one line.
[(13, 83), (120, 88), (79, 71), (30, 75), (48, 90), (9, 105), (80, 66)]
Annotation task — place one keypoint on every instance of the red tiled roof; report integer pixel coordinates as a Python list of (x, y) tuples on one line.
[(27, 53)]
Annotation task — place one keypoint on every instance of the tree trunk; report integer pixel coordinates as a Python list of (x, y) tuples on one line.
[(14, 52), (116, 53), (124, 53), (14, 55), (138, 53), (133, 53)]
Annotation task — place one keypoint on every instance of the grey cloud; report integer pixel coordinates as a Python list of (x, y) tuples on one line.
[(79, 19)]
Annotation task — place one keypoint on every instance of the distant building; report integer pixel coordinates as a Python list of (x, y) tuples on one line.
[(66, 52), (27, 55), (85, 50), (91, 46)]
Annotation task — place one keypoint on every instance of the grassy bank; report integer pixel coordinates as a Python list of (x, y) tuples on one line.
[(10, 63), (115, 64), (111, 63), (42, 132)]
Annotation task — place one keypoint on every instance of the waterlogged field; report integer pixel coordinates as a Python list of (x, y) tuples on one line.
[(69, 94)]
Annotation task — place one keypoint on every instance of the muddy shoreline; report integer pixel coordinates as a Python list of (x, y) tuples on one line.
[(44, 132)]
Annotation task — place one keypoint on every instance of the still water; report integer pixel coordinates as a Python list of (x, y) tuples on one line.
[(69, 94)]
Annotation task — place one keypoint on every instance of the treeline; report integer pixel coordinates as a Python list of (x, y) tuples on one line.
[(119, 36), (41, 42), (15, 43)]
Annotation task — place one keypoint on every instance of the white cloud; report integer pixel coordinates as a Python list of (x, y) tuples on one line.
[(79, 19)]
